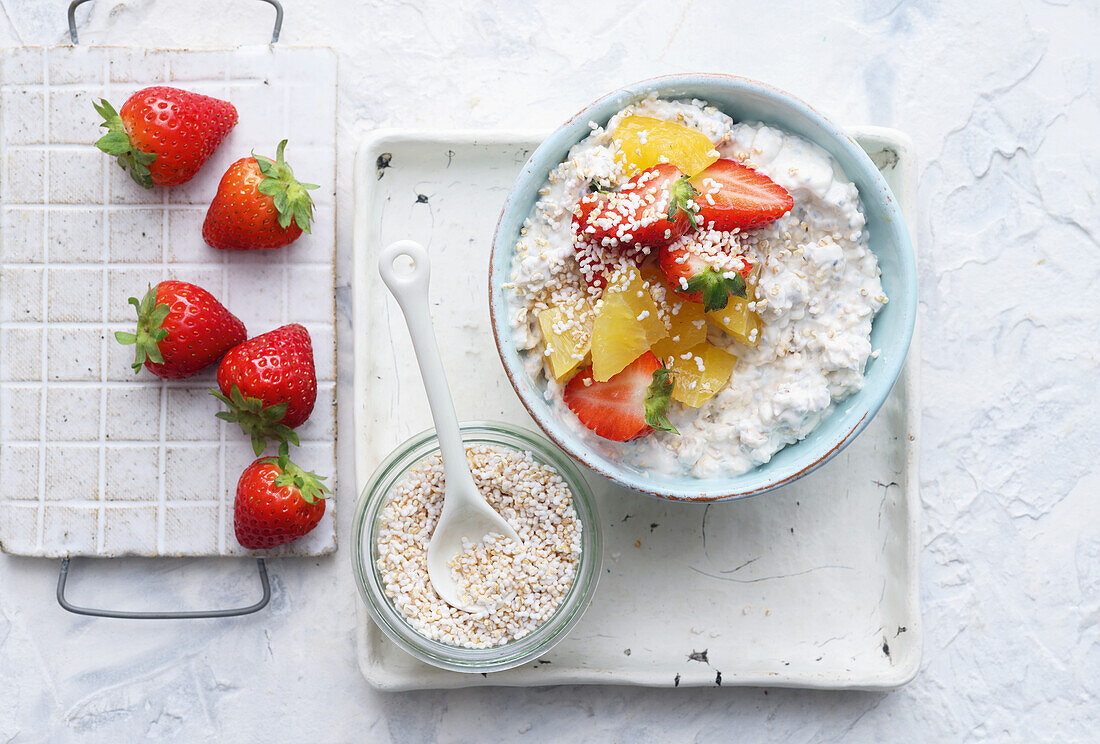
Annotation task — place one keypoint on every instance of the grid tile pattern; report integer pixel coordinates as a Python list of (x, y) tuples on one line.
[(95, 460)]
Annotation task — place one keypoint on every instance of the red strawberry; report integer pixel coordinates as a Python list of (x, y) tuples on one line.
[(277, 502), (743, 198), (630, 405), (698, 277), (269, 384), (590, 257), (163, 135), (181, 329), (652, 209), (259, 204)]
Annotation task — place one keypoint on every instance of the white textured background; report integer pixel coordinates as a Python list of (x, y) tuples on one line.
[(1001, 99)]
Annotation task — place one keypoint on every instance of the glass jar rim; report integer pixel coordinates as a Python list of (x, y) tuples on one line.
[(457, 658)]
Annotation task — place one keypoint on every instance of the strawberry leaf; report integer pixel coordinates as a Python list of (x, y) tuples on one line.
[(149, 334), (275, 412), (117, 143), (681, 198), (716, 287), (657, 401), (259, 422), (259, 442), (308, 485), (290, 197)]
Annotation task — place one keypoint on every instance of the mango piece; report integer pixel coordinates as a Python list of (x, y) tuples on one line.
[(567, 333), (738, 321), (632, 283), (643, 140), (685, 321), (699, 377), (687, 327), (617, 337), (626, 326)]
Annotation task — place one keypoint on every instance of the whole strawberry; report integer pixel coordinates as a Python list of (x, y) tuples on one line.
[(259, 204), (269, 384), (181, 329), (162, 136), (277, 502)]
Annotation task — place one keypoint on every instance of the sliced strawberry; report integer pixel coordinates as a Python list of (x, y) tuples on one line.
[(743, 198), (653, 209), (709, 279), (583, 209), (589, 256), (630, 405), (597, 259), (592, 263)]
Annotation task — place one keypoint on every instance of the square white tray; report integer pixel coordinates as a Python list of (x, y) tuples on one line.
[(95, 460), (813, 585)]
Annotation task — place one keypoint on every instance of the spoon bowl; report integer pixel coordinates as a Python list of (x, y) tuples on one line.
[(406, 269)]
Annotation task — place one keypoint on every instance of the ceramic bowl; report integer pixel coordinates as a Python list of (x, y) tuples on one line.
[(744, 100)]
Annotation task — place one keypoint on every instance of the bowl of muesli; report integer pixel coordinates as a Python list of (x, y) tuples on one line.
[(524, 598), (701, 288)]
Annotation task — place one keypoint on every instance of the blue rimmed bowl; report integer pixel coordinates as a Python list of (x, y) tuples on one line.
[(892, 330)]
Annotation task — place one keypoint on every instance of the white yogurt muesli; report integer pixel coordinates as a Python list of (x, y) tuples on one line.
[(817, 293)]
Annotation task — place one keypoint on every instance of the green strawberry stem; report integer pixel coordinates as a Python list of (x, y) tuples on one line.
[(117, 142), (657, 400), (716, 287), (308, 484), (681, 198), (259, 423), (291, 197), (149, 332)]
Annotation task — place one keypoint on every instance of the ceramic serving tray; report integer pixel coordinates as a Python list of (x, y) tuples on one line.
[(811, 585)]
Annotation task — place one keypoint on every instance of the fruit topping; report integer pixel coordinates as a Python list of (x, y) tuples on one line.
[(631, 404), (651, 316), (627, 324), (566, 336), (705, 267), (699, 373), (652, 209), (738, 320), (687, 327), (645, 142), (734, 196)]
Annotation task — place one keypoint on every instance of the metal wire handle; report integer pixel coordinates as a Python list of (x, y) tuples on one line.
[(234, 612), (274, 32)]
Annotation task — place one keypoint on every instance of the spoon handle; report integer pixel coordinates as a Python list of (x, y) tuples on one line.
[(410, 288)]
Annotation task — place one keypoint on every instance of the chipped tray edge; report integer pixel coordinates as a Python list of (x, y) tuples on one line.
[(872, 139)]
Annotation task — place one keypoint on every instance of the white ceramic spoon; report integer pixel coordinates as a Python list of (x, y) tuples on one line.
[(465, 513)]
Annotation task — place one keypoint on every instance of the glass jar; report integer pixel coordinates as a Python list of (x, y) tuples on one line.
[(365, 554)]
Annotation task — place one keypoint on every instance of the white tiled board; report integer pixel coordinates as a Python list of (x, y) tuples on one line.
[(95, 460)]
